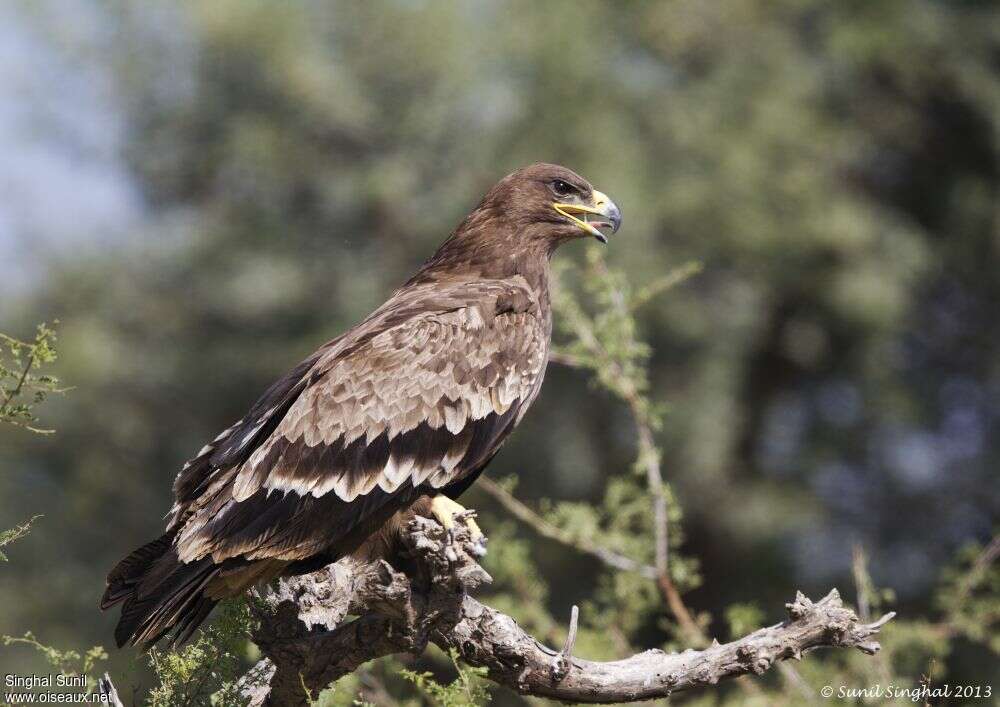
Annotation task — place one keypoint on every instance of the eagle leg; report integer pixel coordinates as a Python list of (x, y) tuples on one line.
[(447, 512)]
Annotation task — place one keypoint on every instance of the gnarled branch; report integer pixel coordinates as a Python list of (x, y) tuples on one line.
[(308, 644)]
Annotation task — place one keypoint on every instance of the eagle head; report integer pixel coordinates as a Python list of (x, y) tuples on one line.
[(520, 222), (553, 203)]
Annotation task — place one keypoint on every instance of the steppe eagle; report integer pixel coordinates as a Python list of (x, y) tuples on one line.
[(395, 417)]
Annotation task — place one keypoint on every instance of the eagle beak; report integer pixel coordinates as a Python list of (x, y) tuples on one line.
[(610, 216)]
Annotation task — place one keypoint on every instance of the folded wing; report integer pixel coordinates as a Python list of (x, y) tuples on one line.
[(415, 398)]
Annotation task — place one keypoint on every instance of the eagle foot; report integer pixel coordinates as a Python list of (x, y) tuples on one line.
[(450, 514)]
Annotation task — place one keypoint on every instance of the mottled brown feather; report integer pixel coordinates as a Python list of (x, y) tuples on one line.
[(412, 402), (399, 410)]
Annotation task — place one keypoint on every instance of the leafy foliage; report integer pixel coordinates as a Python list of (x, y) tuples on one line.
[(828, 379), (15, 533), (970, 595), (22, 385), (743, 619), (19, 379), (64, 662), (207, 670), (467, 690)]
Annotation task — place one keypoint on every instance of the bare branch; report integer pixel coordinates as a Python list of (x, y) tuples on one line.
[(403, 611), (514, 658), (397, 614)]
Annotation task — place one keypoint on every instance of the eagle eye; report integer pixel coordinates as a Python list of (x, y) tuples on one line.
[(562, 189)]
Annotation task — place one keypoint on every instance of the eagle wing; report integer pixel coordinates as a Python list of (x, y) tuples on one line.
[(415, 398)]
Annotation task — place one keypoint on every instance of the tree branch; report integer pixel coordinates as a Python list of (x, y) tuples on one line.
[(488, 638), (526, 515), (649, 459), (400, 610), (424, 597)]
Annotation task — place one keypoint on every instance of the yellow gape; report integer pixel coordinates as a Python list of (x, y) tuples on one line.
[(602, 207)]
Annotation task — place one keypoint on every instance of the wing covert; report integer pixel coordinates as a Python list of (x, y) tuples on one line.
[(421, 401)]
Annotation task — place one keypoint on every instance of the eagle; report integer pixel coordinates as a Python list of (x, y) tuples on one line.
[(394, 418)]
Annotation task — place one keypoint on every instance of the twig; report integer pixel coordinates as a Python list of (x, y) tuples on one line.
[(986, 558), (862, 581), (947, 628), (13, 393), (566, 359), (649, 458), (16, 390), (867, 598), (671, 279), (562, 664), (522, 512)]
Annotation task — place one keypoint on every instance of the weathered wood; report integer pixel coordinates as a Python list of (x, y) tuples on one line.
[(400, 612), (107, 690)]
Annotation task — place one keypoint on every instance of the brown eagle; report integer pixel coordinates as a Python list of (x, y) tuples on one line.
[(397, 416)]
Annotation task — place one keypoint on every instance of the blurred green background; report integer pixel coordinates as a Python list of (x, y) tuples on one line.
[(204, 192)]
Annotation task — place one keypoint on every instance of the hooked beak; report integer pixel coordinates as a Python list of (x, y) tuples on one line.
[(608, 213)]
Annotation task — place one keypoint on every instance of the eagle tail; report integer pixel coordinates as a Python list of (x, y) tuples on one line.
[(127, 573), (159, 593)]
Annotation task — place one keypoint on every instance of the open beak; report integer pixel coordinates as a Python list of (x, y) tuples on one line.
[(604, 213)]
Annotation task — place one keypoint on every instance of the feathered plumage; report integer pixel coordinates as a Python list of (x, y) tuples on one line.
[(411, 403)]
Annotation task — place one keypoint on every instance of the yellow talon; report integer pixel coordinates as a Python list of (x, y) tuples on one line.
[(444, 510)]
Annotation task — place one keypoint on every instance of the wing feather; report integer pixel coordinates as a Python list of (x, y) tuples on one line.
[(422, 393)]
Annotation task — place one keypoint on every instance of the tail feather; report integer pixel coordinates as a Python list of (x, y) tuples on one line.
[(192, 620), (129, 572), (146, 618), (159, 592)]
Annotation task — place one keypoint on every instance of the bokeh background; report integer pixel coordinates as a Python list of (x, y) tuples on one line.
[(202, 193)]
